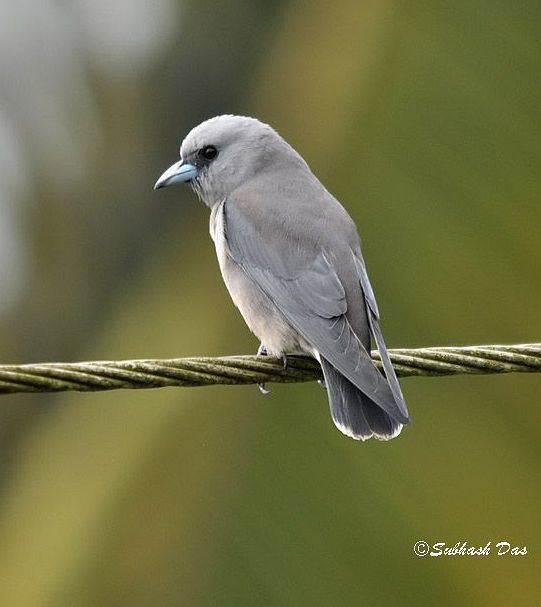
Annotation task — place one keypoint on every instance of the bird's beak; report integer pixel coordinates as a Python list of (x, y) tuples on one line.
[(178, 173)]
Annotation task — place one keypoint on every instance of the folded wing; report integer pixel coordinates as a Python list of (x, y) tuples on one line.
[(308, 292)]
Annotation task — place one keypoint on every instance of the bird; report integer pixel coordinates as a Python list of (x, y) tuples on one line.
[(290, 256)]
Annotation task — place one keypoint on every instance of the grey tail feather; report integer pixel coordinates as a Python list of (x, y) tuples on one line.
[(354, 413)]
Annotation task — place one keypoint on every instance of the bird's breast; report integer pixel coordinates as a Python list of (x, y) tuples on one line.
[(258, 310), (217, 233)]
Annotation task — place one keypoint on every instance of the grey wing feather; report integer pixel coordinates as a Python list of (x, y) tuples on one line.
[(310, 295), (373, 319)]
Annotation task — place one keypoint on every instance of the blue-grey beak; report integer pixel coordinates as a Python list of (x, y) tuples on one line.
[(178, 173)]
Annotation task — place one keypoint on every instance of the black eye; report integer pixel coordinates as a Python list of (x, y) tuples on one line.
[(209, 152)]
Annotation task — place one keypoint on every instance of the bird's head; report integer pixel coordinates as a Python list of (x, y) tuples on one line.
[(225, 152)]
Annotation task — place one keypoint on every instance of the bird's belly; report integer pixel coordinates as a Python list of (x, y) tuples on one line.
[(259, 312)]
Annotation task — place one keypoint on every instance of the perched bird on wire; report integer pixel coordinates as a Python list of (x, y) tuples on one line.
[(290, 257)]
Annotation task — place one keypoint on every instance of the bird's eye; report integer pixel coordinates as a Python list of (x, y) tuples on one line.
[(209, 152)]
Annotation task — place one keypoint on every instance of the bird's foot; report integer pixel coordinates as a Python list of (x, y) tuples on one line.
[(262, 351), (322, 383)]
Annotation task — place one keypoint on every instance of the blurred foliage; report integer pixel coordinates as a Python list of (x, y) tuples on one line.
[(423, 118)]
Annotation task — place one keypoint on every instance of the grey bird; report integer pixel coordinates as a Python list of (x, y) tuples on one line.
[(290, 257)]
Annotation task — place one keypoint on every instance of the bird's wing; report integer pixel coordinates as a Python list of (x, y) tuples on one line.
[(308, 292), (373, 319)]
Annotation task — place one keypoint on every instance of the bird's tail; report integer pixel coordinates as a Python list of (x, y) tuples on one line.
[(354, 413)]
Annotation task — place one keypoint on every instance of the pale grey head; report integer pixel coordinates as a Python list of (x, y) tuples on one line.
[(225, 152)]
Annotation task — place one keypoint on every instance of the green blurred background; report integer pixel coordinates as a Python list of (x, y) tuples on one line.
[(422, 117)]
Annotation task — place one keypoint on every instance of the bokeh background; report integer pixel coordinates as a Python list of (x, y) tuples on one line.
[(422, 117)]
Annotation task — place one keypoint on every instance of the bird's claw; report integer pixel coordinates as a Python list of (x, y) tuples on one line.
[(262, 389)]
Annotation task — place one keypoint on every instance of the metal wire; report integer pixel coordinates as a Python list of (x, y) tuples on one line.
[(157, 373)]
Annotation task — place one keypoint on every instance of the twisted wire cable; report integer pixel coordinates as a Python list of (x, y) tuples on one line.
[(157, 373)]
